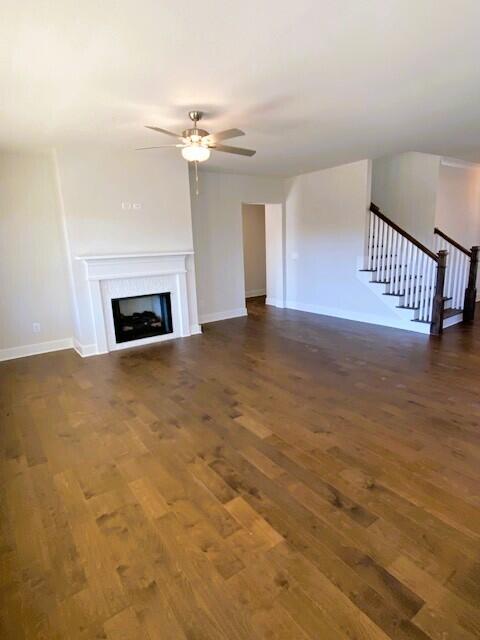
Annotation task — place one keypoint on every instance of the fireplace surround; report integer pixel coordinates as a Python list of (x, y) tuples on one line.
[(110, 278)]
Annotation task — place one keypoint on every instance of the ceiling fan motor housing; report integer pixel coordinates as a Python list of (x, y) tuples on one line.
[(194, 132)]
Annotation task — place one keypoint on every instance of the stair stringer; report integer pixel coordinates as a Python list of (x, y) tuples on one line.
[(405, 317)]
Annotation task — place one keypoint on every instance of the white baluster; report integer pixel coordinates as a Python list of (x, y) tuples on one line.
[(384, 251), (403, 253), (371, 241), (448, 273), (466, 269), (425, 289), (431, 285), (408, 277), (450, 291), (459, 279), (377, 236), (386, 229), (389, 257), (418, 279), (381, 226), (455, 261), (396, 260)]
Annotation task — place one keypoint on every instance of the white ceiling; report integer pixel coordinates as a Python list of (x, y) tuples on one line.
[(313, 83)]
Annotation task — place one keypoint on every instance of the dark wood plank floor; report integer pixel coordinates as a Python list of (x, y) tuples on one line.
[(282, 476)]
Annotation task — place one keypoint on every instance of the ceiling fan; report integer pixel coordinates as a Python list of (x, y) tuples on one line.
[(196, 143)]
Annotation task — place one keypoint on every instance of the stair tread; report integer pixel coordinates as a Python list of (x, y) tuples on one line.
[(389, 281)]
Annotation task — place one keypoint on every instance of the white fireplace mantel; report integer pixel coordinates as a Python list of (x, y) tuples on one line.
[(123, 275)]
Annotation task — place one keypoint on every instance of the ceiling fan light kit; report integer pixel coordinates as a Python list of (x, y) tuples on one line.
[(196, 152)]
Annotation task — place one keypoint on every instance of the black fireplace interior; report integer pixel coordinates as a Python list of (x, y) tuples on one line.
[(142, 316)]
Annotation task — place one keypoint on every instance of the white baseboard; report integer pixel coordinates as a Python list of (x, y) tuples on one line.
[(253, 293), (195, 329), (35, 349), (223, 315), (417, 327), (449, 322), (85, 350), (275, 302)]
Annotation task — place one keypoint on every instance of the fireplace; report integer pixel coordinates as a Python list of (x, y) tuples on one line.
[(111, 278), (138, 317)]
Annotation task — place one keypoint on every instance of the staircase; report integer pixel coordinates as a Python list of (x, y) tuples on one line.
[(434, 289)]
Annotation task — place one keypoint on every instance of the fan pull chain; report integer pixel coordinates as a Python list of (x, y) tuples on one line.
[(196, 178)]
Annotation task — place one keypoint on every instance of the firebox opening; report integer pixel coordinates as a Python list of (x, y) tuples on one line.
[(139, 317)]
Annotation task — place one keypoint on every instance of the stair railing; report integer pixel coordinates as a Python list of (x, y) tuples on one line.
[(461, 274), (408, 268)]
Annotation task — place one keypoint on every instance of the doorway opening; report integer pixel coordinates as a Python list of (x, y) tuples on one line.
[(254, 252), (263, 251)]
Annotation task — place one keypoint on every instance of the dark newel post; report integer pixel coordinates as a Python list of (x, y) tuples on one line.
[(471, 290), (436, 326)]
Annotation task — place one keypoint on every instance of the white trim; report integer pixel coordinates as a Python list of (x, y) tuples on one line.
[(223, 315), (140, 274), (35, 349), (86, 350), (254, 293), (275, 302), (116, 276), (143, 341), (195, 329), (417, 327), (459, 164), (452, 320), (123, 256)]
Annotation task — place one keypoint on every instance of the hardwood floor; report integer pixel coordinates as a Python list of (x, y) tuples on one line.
[(282, 476)]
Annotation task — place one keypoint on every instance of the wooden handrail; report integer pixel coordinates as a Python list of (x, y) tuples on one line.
[(374, 209), (453, 242)]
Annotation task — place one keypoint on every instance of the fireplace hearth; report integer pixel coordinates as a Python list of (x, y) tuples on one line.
[(138, 317)]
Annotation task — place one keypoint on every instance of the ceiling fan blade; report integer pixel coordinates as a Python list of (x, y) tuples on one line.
[(225, 135), (238, 150), (163, 146), (165, 131)]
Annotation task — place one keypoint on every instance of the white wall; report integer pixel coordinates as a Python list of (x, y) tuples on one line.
[(217, 231), (458, 203), (404, 186), (275, 254), (325, 242), (95, 183), (33, 269), (254, 254)]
